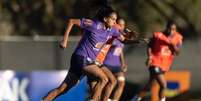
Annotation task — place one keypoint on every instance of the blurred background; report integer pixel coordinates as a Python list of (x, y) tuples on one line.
[(30, 31)]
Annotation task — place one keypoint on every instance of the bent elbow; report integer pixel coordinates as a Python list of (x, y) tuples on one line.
[(74, 21)]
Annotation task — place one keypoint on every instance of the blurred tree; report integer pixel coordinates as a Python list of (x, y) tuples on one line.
[(48, 17)]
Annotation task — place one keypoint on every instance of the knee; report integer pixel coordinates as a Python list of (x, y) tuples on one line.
[(104, 79), (113, 81), (163, 85)]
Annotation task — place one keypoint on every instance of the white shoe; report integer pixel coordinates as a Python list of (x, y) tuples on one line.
[(136, 98), (163, 99)]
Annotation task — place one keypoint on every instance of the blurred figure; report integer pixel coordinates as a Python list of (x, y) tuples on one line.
[(162, 49)]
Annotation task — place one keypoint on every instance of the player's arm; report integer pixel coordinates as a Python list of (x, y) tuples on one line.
[(70, 24), (149, 52), (83, 23), (148, 62), (126, 36), (176, 48), (160, 36), (131, 36), (123, 63), (119, 37)]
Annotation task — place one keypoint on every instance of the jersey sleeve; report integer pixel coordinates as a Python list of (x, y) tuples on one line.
[(86, 23), (116, 33), (160, 36)]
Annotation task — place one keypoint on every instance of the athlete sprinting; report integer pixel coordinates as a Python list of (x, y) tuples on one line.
[(96, 33), (116, 63), (162, 49)]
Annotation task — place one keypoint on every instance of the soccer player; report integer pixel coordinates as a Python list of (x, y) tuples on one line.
[(96, 33), (115, 62), (162, 49)]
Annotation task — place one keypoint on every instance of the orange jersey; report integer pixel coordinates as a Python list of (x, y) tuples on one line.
[(162, 56), (103, 53)]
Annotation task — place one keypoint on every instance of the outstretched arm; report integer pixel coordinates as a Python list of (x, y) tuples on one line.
[(149, 52), (70, 24)]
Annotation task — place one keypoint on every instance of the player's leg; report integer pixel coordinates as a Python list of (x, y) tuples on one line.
[(110, 85), (163, 85), (147, 87), (92, 83), (71, 79), (69, 82), (94, 71), (119, 87)]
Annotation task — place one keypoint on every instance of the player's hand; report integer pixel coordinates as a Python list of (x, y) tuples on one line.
[(124, 68), (63, 44), (148, 62), (121, 37)]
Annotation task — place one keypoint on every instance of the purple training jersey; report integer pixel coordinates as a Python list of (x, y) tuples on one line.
[(94, 36), (113, 56)]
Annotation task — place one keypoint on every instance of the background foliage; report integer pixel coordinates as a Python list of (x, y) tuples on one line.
[(49, 17)]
